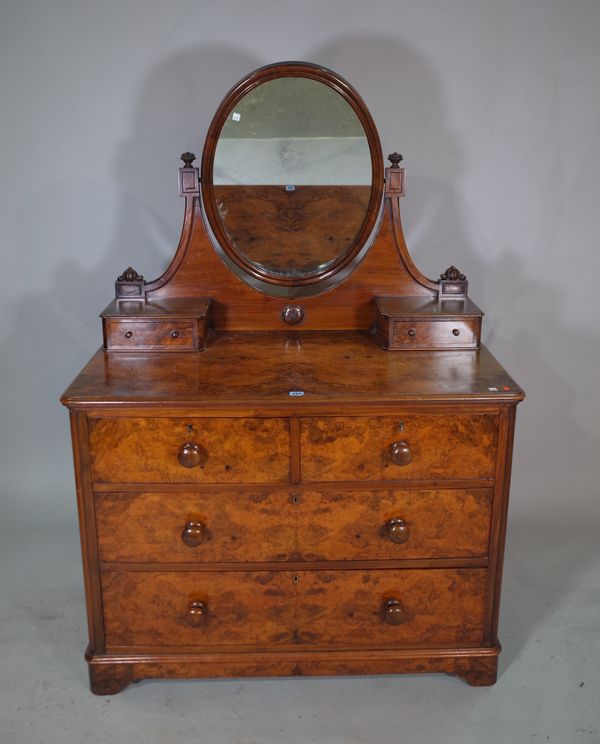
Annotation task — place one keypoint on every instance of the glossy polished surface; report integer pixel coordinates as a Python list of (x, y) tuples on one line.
[(335, 367), (291, 177)]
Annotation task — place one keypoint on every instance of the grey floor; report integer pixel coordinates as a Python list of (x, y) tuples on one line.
[(548, 690)]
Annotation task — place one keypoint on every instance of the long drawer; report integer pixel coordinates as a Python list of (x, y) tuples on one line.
[(423, 446), (406, 608), (190, 450), (282, 525)]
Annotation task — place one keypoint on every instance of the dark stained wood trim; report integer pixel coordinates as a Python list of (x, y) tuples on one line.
[(390, 485), (499, 508), (111, 673), (191, 215), (295, 565), (154, 409), (87, 525), (495, 571)]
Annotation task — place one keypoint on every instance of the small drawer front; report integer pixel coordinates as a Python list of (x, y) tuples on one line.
[(406, 608), (187, 527), (376, 525), (437, 446), (190, 450), (150, 335), (435, 334), (207, 608)]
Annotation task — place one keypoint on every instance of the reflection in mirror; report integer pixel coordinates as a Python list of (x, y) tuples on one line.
[(292, 176)]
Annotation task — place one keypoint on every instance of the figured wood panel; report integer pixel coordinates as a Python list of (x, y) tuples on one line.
[(358, 448), (145, 450), (328, 367), (254, 526), (351, 525), (441, 607), (243, 608), (239, 526)]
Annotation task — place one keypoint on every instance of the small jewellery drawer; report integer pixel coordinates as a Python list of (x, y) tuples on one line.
[(150, 335), (189, 450), (247, 526), (229, 608), (435, 334), (218, 526), (423, 446), (415, 607)]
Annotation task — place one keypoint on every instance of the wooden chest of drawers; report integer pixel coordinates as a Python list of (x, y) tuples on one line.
[(314, 479), (329, 534)]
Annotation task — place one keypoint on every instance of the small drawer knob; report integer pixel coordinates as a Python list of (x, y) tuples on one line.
[(193, 534), (190, 455), (396, 531), (455, 332), (128, 334), (393, 613), (196, 615), (174, 334), (411, 332), (400, 453)]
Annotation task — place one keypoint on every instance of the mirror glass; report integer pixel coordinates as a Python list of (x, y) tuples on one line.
[(292, 177)]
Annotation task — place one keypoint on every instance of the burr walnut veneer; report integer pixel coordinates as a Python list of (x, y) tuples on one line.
[(314, 479)]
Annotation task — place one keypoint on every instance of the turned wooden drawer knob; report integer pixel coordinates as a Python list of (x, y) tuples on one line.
[(411, 332), (400, 453), (396, 530), (190, 455), (393, 613), (193, 534), (174, 334), (196, 615), (128, 334)]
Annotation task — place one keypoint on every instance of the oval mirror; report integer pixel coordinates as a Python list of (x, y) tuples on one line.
[(292, 178)]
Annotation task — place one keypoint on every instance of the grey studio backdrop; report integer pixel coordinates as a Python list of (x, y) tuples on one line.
[(496, 108)]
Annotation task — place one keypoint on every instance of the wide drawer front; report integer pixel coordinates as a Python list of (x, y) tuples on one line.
[(430, 608), (424, 446), (281, 525), (190, 450)]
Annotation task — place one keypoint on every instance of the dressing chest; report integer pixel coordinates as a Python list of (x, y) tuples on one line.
[(292, 453)]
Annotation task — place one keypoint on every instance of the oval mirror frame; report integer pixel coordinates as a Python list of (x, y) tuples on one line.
[(336, 270)]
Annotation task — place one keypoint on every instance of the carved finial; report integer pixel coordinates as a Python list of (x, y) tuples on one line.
[(130, 275), (395, 158), (452, 274), (188, 158)]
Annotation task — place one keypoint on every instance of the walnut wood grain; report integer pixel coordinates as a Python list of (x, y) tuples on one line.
[(330, 368), (241, 608), (443, 607), (351, 525), (275, 526), (146, 450), (358, 448), (147, 527)]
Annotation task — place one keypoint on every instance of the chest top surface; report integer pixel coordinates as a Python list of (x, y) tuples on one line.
[(264, 368)]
